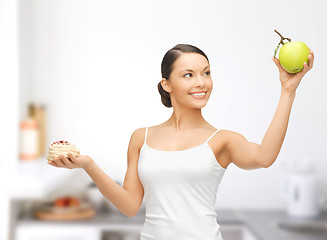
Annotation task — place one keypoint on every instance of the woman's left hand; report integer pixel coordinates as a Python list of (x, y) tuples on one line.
[(290, 81)]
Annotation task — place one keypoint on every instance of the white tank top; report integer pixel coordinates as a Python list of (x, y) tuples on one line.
[(180, 190)]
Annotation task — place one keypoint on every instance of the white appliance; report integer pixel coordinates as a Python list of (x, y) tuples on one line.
[(301, 194)]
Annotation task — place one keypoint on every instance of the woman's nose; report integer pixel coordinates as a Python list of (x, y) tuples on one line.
[(199, 81)]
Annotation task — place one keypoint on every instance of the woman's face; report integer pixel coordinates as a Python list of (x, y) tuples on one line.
[(191, 73)]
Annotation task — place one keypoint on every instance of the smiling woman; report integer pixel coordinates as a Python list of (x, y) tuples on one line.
[(176, 167)]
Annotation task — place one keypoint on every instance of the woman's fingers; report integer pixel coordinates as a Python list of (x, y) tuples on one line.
[(66, 162), (307, 67), (72, 157), (72, 161), (311, 59), (63, 161), (58, 161), (53, 163)]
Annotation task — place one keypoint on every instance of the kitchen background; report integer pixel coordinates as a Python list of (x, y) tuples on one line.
[(87, 72)]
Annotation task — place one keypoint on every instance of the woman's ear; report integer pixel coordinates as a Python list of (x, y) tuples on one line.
[(165, 85)]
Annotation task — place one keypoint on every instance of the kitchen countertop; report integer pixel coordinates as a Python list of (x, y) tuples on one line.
[(262, 223)]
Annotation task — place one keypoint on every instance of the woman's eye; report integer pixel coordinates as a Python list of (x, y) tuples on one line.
[(208, 73), (187, 74)]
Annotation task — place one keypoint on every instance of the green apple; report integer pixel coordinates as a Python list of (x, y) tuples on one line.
[(292, 56)]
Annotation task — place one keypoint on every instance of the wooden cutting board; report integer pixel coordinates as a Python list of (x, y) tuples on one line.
[(65, 214)]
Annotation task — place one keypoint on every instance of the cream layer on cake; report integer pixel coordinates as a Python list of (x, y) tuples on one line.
[(61, 148)]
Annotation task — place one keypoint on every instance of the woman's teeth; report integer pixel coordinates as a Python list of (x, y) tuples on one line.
[(198, 94)]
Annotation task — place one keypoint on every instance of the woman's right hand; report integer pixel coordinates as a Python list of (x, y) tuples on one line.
[(81, 161)]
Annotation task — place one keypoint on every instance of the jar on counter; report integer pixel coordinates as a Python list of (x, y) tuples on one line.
[(28, 140)]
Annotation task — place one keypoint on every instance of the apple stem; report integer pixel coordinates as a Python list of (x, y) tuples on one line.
[(282, 38), (281, 42)]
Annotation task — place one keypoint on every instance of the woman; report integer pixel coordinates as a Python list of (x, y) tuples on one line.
[(177, 165)]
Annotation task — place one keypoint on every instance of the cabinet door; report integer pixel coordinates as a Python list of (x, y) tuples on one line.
[(57, 233)]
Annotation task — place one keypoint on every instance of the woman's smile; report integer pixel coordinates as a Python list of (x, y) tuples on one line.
[(198, 95)]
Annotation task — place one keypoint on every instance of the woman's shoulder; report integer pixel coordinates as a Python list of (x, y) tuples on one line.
[(139, 134), (137, 137)]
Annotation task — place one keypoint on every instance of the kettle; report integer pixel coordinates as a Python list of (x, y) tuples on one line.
[(301, 194)]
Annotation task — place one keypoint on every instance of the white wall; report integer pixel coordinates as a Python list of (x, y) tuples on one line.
[(8, 105), (96, 65)]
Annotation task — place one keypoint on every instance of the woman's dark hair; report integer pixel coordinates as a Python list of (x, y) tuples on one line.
[(167, 65)]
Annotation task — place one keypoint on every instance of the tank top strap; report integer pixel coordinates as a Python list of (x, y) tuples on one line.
[(212, 135), (146, 134)]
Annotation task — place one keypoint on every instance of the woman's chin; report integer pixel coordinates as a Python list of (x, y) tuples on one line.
[(200, 104)]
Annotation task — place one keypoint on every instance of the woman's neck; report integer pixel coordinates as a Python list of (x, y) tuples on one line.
[(186, 120)]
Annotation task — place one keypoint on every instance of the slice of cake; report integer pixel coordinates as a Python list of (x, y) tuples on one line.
[(61, 148)]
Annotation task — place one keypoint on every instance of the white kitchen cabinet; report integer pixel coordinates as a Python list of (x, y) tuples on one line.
[(57, 233), (81, 232)]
